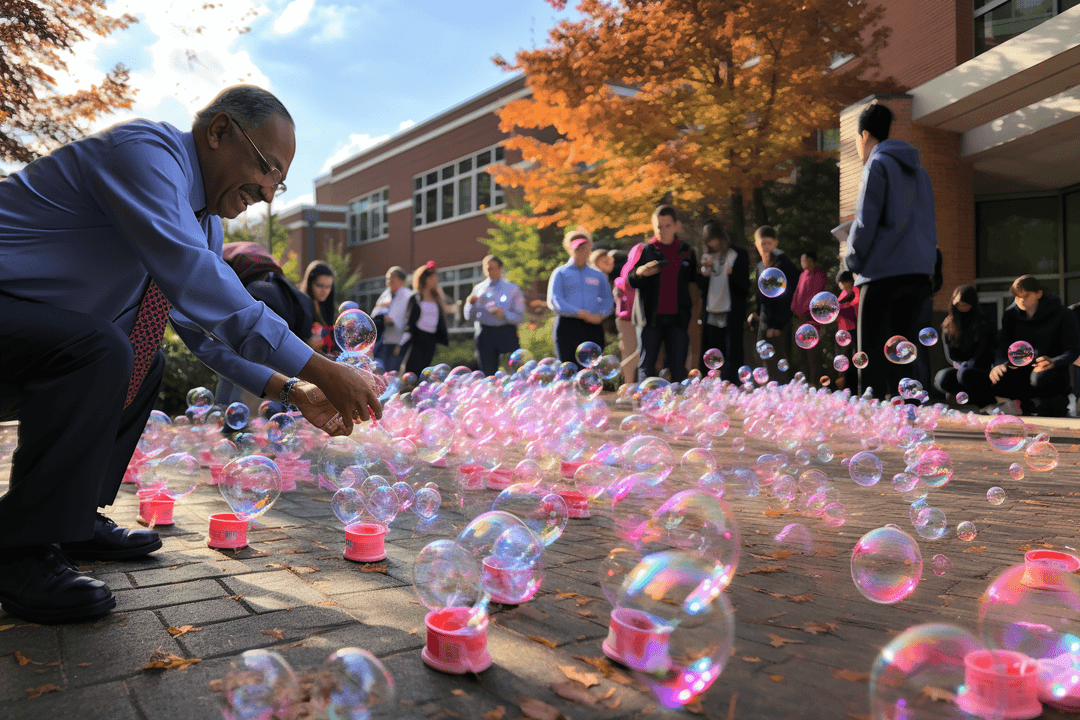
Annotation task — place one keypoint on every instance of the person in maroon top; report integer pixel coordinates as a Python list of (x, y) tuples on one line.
[(848, 320), (812, 280), (662, 277)]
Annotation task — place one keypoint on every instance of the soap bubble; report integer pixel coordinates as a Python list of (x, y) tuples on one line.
[(865, 469), (930, 523), (614, 569), (648, 454), (174, 475), (824, 307), (350, 683), (355, 331), (634, 502), (283, 436), (588, 383), (436, 435), (608, 367), (766, 350), (966, 531), (935, 468), (995, 495), (843, 338), (824, 453), (250, 485), (772, 282), (426, 503), (587, 353), (1021, 353), (761, 375), (380, 499), (782, 365), (840, 363), (717, 424), (260, 685), (806, 336), (795, 538), (334, 456), (1006, 433), (713, 359), (697, 461), (833, 514), (541, 509), (886, 565), (519, 358), (928, 336), (594, 479), (441, 582), (679, 594), (200, 397), (506, 555), (909, 388), (860, 360), (236, 416), (941, 564), (696, 521), (223, 451), (1016, 471), (900, 350), (1041, 456), (904, 482), (347, 505), (961, 398)]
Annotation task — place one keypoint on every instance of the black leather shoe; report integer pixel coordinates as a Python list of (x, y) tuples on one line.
[(113, 543), (39, 584)]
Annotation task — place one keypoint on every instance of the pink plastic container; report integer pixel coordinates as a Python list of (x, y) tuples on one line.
[(637, 641), (499, 479), (1043, 568), (577, 504), (227, 531), (364, 542), (509, 585), (452, 645), (471, 477), (567, 469), (155, 509), (1000, 684), (215, 472)]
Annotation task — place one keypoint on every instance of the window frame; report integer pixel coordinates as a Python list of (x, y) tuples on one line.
[(431, 198), (377, 200)]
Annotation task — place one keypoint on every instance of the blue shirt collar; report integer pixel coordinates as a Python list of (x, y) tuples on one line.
[(197, 196)]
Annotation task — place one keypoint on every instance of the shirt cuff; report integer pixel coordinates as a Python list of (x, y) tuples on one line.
[(291, 357)]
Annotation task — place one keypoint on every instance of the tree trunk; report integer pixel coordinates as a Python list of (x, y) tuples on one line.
[(760, 214), (738, 218)]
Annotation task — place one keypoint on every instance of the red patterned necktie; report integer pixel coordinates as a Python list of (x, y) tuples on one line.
[(146, 336)]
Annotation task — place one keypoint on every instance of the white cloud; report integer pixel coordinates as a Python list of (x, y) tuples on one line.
[(405, 125), (293, 16), (357, 143), (305, 199), (332, 20)]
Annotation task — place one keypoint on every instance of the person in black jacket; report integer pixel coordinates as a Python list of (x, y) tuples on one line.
[(725, 284), (969, 339), (426, 324), (662, 308), (773, 316), (1038, 318)]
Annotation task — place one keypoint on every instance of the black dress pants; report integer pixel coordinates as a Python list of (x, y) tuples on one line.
[(898, 305), (64, 377), (493, 341), (571, 332), (670, 330), (729, 341)]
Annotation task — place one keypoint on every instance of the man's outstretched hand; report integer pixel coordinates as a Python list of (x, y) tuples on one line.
[(316, 409), (348, 392)]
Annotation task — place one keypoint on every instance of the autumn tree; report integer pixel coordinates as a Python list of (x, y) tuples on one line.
[(697, 100), (36, 42)]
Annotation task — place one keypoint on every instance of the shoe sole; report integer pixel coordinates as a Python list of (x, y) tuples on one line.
[(125, 554), (62, 615)]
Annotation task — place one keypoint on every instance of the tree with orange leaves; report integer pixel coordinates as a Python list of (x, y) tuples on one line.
[(697, 101), (36, 38)]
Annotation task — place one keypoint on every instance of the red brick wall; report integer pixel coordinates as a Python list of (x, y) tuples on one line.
[(928, 38)]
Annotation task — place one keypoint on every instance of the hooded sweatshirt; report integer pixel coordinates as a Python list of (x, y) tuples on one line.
[(894, 232), (1052, 331)]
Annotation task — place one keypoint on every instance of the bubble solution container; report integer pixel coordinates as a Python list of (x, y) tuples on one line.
[(567, 468), (1041, 567), (508, 584), (452, 645), (636, 640), (227, 531), (155, 509), (364, 542), (577, 504), (1000, 684), (290, 470), (499, 479), (215, 472)]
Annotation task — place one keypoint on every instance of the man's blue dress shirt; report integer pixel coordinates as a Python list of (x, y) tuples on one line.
[(571, 289)]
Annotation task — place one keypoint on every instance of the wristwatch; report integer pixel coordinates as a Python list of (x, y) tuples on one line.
[(283, 396)]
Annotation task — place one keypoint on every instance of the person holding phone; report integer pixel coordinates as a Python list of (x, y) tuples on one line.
[(662, 277)]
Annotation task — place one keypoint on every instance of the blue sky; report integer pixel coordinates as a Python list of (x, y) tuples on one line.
[(351, 72)]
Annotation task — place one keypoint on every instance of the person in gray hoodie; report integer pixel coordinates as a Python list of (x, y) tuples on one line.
[(891, 248)]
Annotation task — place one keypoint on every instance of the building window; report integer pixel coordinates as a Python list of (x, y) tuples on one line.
[(457, 189), (368, 218), (366, 292), (1015, 237), (457, 283), (997, 21)]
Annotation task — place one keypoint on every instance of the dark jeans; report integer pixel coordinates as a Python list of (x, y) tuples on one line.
[(1024, 384), (728, 340), (898, 305), (780, 344), (972, 380), (385, 354), (493, 341), (421, 351), (64, 376), (571, 332), (671, 331)]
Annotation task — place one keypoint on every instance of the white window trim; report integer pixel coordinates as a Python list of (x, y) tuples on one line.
[(385, 204), (473, 173), (466, 216)]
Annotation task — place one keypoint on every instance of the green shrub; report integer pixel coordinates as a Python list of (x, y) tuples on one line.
[(460, 351), (183, 371), (535, 335)]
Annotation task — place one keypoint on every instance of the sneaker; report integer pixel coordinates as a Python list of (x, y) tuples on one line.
[(111, 542), (39, 584)]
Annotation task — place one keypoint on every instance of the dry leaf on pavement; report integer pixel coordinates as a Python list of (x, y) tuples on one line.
[(496, 714), (777, 641), (585, 678), (40, 690), (182, 630), (543, 641), (814, 627), (161, 660), (275, 633), (538, 710), (574, 690), (852, 675)]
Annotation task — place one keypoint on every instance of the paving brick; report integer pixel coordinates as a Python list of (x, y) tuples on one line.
[(270, 591), (115, 648), (102, 702), (165, 595), (205, 612), (38, 643), (180, 694), (235, 636)]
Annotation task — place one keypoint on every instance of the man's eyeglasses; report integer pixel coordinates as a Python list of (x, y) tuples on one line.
[(268, 170)]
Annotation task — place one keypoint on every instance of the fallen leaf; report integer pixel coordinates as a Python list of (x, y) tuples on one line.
[(582, 601), (1023, 548), (781, 554), (776, 678), (294, 551), (542, 641), (855, 676), (585, 678), (301, 569), (22, 659), (496, 714), (807, 598), (236, 597), (815, 627), (606, 669), (573, 690), (5, 627), (275, 633), (731, 705), (777, 641), (378, 567), (559, 594), (774, 513), (975, 548), (161, 660), (182, 630), (457, 691), (538, 710), (325, 602), (609, 693), (83, 664), (320, 545), (414, 631), (40, 690), (586, 613), (752, 659), (775, 616), (938, 694), (695, 707), (612, 703)]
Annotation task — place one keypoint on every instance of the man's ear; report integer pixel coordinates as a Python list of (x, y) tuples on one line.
[(216, 130)]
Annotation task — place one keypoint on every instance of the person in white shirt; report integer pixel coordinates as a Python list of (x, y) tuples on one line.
[(426, 324), (390, 316), (495, 307), (725, 283)]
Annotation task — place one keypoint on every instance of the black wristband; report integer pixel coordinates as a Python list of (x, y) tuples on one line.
[(283, 396)]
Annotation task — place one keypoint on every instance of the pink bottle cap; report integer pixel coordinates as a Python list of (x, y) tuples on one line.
[(1043, 569), (576, 503), (499, 479), (1000, 684), (636, 640), (227, 531), (452, 645), (567, 469), (155, 509), (508, 585), (364, 542)]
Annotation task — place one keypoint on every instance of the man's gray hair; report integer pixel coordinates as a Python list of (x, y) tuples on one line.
[(250, 106)]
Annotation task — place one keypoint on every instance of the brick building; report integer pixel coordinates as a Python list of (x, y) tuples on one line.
[(422, 195), (992, 102)]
